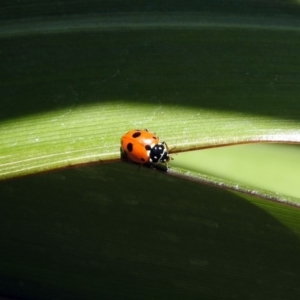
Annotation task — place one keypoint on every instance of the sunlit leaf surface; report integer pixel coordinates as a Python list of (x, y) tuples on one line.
[(68, 95)]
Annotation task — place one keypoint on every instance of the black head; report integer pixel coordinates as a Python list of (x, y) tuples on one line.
[(159, 154)]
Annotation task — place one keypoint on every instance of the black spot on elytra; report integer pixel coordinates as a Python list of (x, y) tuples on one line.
[(136, 134), (129, 147), (148, 147)]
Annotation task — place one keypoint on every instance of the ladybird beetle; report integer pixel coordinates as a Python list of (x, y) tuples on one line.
[(143, 147)]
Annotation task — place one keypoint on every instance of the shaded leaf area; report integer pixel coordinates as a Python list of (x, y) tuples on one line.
[(240, 70), (13, 9), (112, 231)]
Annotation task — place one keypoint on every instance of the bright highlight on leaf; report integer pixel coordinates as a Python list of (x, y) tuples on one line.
[(92, 133)]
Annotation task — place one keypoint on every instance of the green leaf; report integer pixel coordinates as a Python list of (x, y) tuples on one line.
[(262, 169), (69, 95), (112, 231)]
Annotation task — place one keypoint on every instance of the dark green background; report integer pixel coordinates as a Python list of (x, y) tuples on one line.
[(14, 9), (113, 231)]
